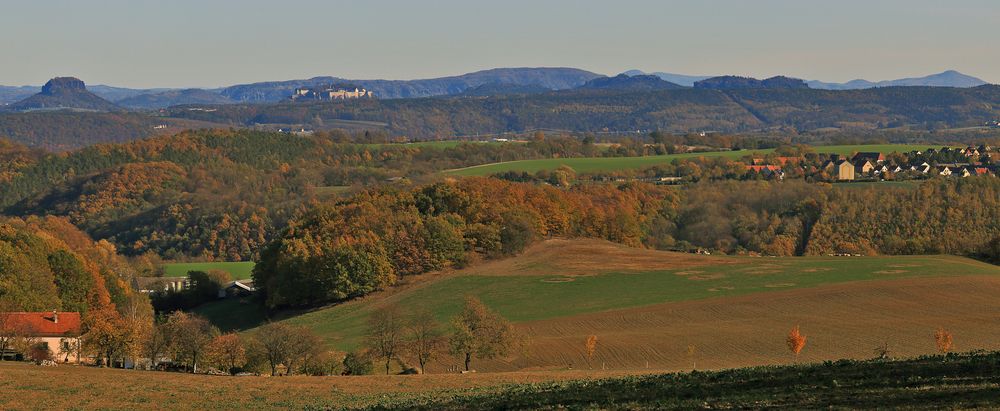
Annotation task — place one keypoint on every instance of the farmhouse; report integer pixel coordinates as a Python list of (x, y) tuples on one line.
[(239, 288), (43, 334), (160, 284), (866, 167)]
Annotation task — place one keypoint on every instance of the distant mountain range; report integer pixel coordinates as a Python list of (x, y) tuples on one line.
[(501, 81), (950, 78), (550, 78)]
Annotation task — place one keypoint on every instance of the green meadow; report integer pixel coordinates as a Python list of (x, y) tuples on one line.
[(239, 270), (526, 298), (599, 164)]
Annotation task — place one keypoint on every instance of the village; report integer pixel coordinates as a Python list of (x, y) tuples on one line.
[(877, 166)]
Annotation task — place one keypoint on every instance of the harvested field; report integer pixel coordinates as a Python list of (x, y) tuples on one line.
[(841, 321)]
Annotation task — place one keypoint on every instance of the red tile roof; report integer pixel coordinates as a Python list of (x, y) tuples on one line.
[(43, 325), (761, 168)]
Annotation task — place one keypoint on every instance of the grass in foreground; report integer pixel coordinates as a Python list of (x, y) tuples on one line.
[(537, 297), (239, 270), (937, 382)]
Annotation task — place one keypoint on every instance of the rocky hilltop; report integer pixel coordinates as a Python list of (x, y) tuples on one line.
[(64, 93)]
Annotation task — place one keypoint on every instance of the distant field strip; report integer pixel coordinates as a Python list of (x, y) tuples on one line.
[(598, 164), (239, 270)]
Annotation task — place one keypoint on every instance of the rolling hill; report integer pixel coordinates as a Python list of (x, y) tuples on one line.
[(173, 97), (647, 307)]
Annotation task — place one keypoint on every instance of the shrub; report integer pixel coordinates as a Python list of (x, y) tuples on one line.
[(357, 363)]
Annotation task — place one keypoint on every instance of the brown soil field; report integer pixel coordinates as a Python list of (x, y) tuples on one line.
[(571, 257), (25, 386), (840, 321)]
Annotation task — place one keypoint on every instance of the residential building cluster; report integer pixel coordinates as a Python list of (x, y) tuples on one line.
[(876, 166)]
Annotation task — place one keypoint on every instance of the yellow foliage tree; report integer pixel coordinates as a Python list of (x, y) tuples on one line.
[(591, 349)]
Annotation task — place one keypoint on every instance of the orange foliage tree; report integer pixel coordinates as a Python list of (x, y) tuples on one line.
[(591, 349), (943, 340), (796, 341)]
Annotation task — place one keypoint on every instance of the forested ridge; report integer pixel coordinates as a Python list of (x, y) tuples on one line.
[(791, 110), (682, 110), (352, 247)]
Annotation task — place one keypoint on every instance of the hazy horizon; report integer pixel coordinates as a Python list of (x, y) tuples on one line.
[(142, 44)]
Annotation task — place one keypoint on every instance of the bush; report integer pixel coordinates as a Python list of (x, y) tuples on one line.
[(357, 363)]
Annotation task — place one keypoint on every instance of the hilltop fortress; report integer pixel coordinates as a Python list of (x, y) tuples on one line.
[(331, 92)]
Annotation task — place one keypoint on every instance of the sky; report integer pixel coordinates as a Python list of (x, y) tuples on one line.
[(211, 43)]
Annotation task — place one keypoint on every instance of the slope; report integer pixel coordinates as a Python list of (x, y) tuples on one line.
[(649, 305)]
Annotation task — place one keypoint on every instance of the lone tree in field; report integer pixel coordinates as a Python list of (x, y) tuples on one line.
[(425, 337), (591, 349), (190, 335), (480, 332), (273, 341), (943, 340), (385, 334), (227, 350), (796, 341)]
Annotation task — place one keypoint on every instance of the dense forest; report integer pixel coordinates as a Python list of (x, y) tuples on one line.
[(222, 194), (351, 247), (62, 130), (47, 264)]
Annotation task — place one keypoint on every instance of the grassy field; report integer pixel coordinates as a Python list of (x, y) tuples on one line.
[(545, 286), (956, 381), (597, 164), (239, 270), (233, 314)]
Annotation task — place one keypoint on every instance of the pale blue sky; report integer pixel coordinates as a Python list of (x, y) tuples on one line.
[(207, 43)]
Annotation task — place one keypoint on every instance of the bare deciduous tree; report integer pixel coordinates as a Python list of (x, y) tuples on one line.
[(385, 334), (425, 336)]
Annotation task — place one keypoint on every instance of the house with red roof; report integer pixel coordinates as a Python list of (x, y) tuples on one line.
[(56, 331)]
